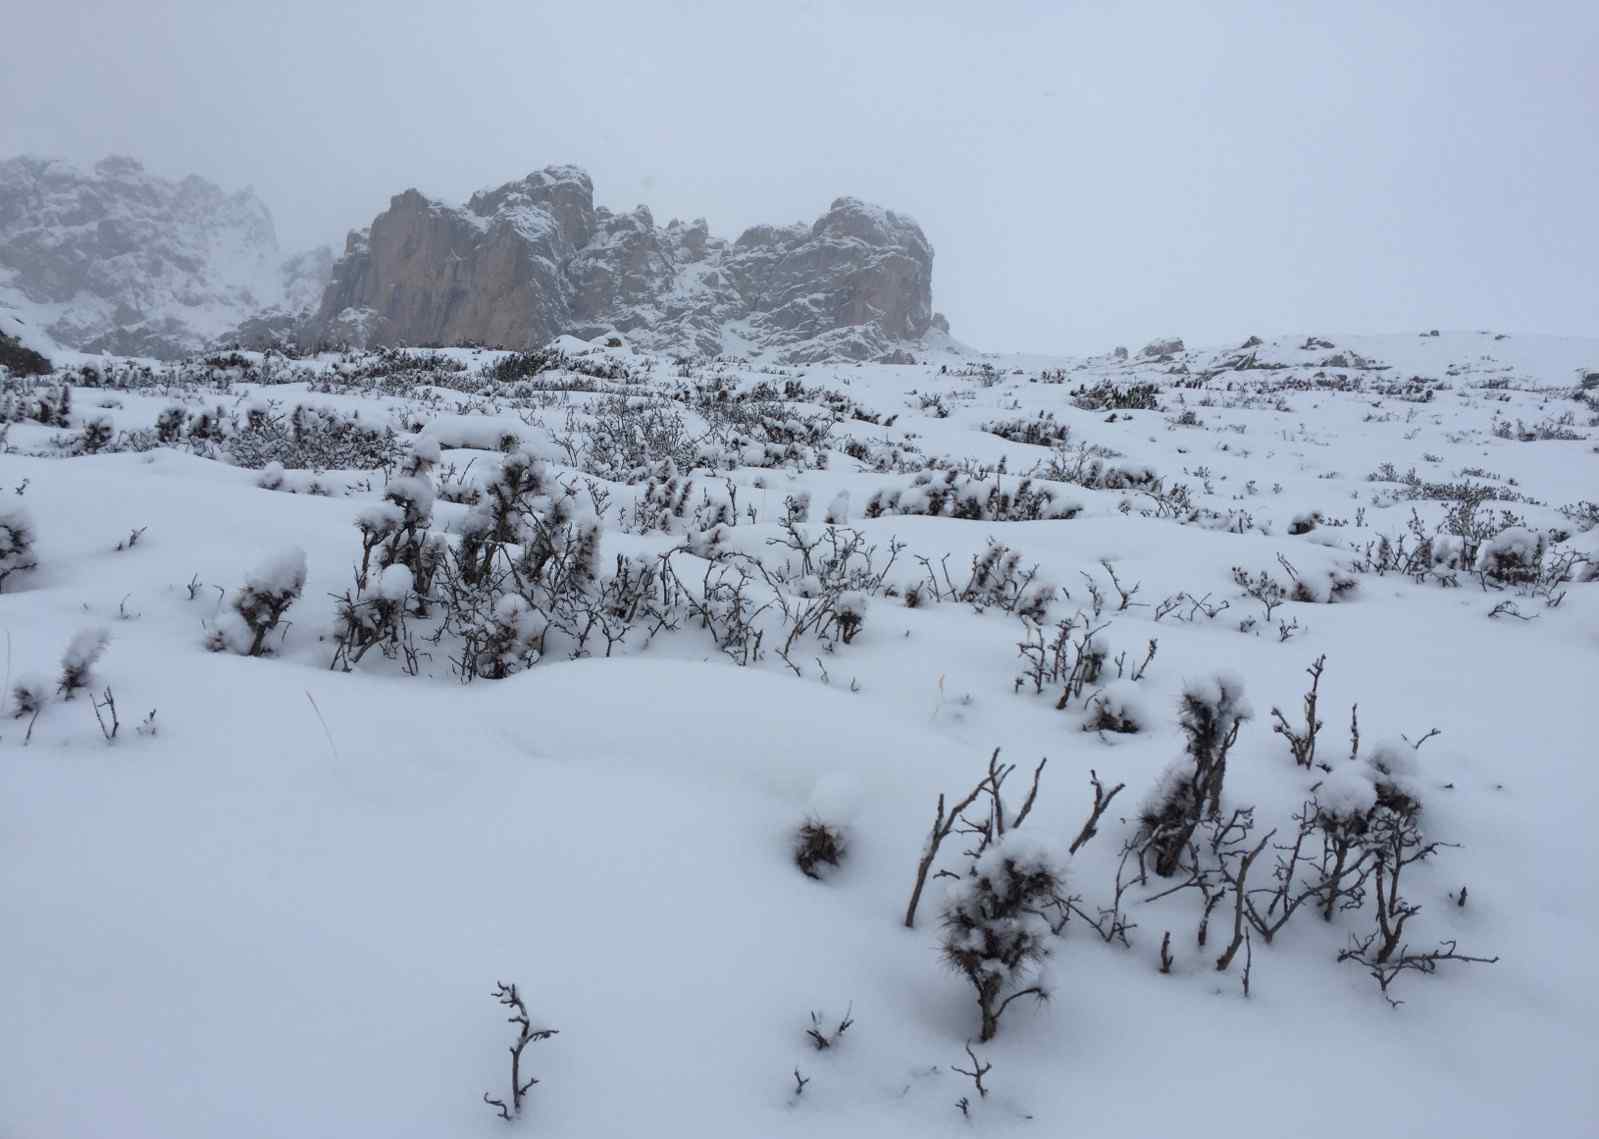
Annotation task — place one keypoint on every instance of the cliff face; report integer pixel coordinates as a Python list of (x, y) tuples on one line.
[(115, 259), (529, 260)]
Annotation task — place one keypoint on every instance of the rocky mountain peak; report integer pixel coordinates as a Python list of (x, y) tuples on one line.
[(113, 258), (528, 260)]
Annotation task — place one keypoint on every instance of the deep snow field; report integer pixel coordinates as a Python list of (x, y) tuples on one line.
[(279, 905)]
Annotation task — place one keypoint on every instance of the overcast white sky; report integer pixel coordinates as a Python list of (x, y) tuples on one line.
[(1089, 173)]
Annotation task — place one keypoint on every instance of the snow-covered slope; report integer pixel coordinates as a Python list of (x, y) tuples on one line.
[(114, 259), (279, 900)]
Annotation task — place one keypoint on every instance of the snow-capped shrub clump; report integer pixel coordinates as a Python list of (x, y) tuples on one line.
[(372, 618), (408, 543), (30, 694), (1350, 792), (16, 543), (998, 580), (309, 438), (169, 425), (1210, 714), (475, 433), (422, 455), (511, 640), (1513, 557), (1041, 430), (957, 495), (83, 653), (1304, 522), (849, 611), (1395, 773), (95, 435), (396, 583), (1322, 588), (271, 476), (837, 510), (995, 933), (459, 490), (255, 609), (1118, 707)]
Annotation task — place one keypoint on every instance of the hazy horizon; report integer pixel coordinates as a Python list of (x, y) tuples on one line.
[(1088, 175)]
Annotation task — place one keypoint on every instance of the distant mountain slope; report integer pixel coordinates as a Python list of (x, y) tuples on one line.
[(115, 259)]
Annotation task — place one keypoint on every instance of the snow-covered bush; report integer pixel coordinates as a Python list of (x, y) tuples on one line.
[(997, 580), (406, 541), (16, 543), (1116, 708), (995, 933), (625, 436), (953, 494), (372, 617), (1042, 430), (77, 663), (169, 425), (458, 489), (849, 613), (255, 609), (510, 640), (1394, 772), (29, 695), (315, 438), (1210, 714), (271, 476), (1512, 557), (95, 435), (818, 843), (495, 521), (1109, 395), (663, 505), (421, 456)]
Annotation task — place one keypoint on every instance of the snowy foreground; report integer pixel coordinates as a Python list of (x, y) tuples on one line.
[(279, 905)]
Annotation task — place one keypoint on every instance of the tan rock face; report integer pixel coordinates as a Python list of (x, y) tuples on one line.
[(526, 261)]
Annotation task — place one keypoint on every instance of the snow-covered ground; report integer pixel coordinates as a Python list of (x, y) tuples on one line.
[(278, 902)]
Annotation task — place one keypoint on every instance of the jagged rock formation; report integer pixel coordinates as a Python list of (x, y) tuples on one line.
[(114, 259), (520, 264)]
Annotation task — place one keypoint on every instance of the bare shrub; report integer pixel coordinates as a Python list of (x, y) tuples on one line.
[(526, 1034), (820, 1038), (1302, 741)]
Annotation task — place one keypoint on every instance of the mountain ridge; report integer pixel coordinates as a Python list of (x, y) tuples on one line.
[(110, 258)]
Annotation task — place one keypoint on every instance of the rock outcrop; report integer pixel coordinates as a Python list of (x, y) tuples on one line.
[(114, 259), (532, 259)]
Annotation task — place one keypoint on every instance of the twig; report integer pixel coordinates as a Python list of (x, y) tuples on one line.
[(1101, 801), (977, 1072)]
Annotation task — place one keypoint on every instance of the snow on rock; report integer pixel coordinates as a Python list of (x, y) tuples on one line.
[(527, 261), (115, 259)]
